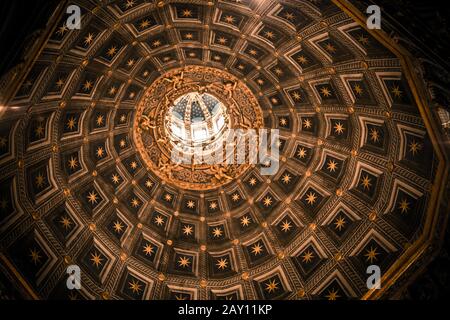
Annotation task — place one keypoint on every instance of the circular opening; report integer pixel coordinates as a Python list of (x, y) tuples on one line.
[(196, 119)]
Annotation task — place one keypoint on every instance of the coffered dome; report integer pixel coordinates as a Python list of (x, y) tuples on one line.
[(87, 177)]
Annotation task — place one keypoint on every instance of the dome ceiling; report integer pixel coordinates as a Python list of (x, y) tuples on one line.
[(86, 178)]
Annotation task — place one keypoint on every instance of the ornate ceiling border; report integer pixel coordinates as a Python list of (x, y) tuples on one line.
[(155, 144)]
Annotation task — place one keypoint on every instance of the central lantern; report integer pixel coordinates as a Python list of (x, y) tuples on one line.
[(196, 119)]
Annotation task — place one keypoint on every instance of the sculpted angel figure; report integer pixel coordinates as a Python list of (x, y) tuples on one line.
[(219, 172), (166, 167), (229, 88), (161, 137), (202, 88), (147, 123), (240, 117), (176, 80)]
